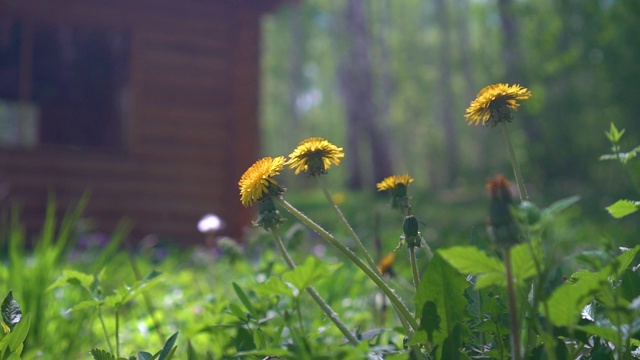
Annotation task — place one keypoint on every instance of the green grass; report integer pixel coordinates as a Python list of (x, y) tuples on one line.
[(104, 302)]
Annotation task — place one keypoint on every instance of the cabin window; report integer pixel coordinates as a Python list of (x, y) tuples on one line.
[(62, 85)]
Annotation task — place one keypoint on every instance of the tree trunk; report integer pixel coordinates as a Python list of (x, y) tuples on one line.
[(512, 57), (296, 60), (356, 81), (446, 112)]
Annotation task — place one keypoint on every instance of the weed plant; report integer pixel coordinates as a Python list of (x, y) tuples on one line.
[(522, 289)]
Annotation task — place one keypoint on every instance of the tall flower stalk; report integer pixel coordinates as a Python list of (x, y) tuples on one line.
[(522, 190), (361, 248), (495, 105), (257, 184), (373, 275), (505, 233), (326, 308), (397, 186)]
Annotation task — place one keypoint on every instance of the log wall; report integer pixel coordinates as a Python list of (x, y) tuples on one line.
[(191, 131)]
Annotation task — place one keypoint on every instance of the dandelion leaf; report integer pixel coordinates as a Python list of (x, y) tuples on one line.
[(309, 273), (442, 305), (622, 208)]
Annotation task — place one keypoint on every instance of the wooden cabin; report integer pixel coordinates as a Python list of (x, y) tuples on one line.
[(151, 105)]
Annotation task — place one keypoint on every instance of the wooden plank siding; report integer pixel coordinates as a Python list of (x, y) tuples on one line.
[(192, 129)]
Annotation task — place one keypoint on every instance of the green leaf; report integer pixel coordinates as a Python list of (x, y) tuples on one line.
[(86, 304), (622, 208), (273, 287), (11, 312), (14, 340), (473, 261), (523, 261), (124, 294), (191, 351), (568, 300), (143, 355), (613, 134), (13, 356), (559, 206), (618, 265), (440, 302), (99, 354), (309, 273), (263, 352), (237, 311), (72, 277), (608, 333), (168, 349), (245, 300), (259, 339)]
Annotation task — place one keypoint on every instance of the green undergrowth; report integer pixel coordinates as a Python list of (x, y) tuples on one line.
[(576, 286)]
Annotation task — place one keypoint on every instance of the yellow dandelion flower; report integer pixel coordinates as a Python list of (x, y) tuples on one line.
[(259, 181), (392, 182), (494, 102), (314, 156)]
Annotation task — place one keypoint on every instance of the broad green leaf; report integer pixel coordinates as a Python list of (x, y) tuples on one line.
[(273, 287), (608, 333), (487, 280), (14, 356), (259, 339), (618, 265), (523, 261), (16, 337), (566, 303), (99, 354), (440, 301), (262, 353), (168, 349), (237, 311), (143, 355), (72, 277), (622, 208), (191, 351), (11, 312), (124, 294), (244, 299), (309, 273), (559, 206), (473, 261), (86, 304)]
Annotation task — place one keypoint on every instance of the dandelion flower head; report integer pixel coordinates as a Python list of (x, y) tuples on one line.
[(314, 156), (259, 181), (494, 102), (391, 182)]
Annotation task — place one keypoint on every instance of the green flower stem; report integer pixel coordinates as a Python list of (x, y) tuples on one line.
[(104, 329), (514, 163), (328, 311), (513, 311), (147, 300), (117, 333), (537, 290), (401, 308), (414, 267), (343, 220)]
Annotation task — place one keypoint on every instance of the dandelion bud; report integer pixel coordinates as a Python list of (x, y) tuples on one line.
[(269, 217), (411, 234), (502, 226)]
